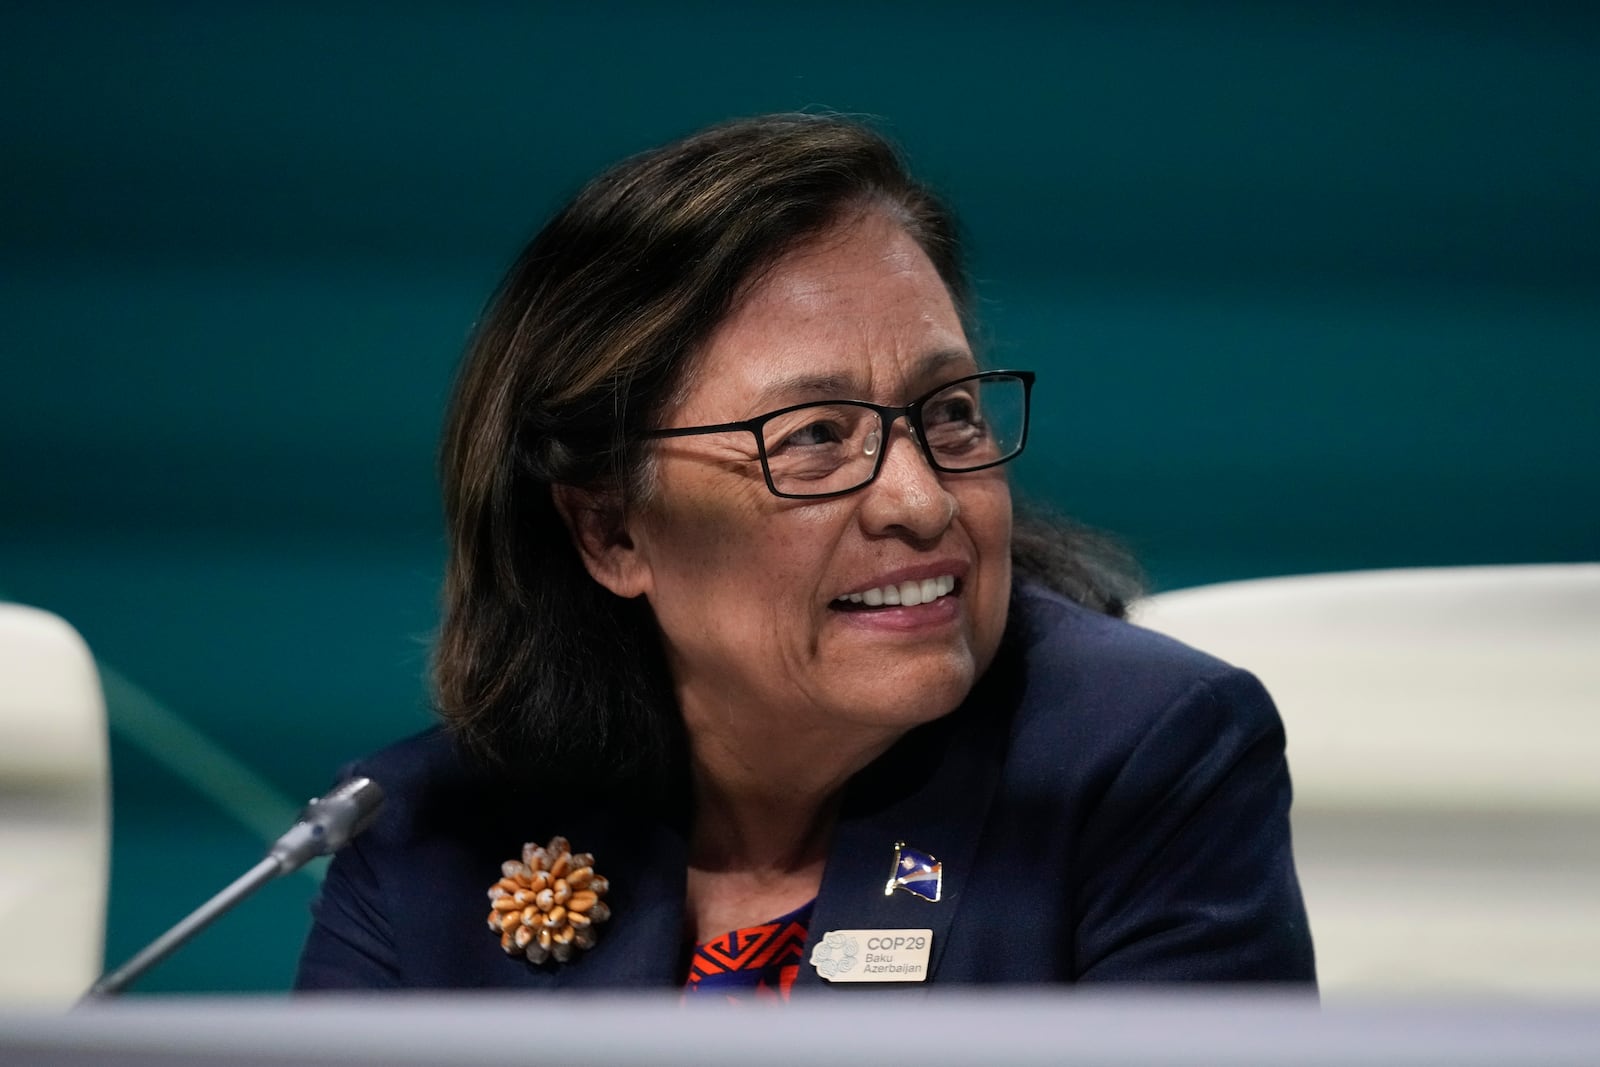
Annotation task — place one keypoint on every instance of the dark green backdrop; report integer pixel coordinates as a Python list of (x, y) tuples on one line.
[(1308, 286)]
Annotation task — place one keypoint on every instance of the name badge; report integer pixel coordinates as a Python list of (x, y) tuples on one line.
[(873, 955)]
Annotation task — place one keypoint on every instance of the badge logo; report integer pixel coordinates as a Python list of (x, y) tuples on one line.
[(835, 954), (916, 872)]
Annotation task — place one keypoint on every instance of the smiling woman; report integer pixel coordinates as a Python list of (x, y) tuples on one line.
[(737, 601), (824, 689)]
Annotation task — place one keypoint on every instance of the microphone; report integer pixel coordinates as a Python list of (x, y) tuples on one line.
[(327, 825)]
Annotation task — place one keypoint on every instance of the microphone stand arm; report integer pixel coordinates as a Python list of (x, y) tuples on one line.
[(328, 825), (263, 872)]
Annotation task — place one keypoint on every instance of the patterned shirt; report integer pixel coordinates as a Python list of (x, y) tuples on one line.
[(753, 963)]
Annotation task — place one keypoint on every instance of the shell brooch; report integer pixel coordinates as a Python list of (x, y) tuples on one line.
[(548, 905)]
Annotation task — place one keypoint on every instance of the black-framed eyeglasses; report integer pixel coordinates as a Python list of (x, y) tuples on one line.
[(831, 447)]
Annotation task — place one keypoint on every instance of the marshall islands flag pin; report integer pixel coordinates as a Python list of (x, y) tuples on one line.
[(916, 872)]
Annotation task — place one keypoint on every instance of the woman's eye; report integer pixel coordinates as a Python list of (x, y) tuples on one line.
[(954, 410), (821, 432)]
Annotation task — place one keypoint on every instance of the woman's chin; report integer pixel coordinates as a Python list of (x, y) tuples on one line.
[(906, 694)]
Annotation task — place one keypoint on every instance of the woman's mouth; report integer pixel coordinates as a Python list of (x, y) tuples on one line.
[(907, 594)]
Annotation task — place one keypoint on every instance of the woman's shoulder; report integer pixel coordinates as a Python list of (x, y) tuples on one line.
[(427, 754), (1108, 683), (426, 757), (421, 776), (1059, 633), (442, 804), (1162, 768)]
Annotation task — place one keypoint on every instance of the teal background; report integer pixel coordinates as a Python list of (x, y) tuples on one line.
[(1309, 286)]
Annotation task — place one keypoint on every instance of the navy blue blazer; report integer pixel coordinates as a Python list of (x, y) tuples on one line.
[(1107, 804)]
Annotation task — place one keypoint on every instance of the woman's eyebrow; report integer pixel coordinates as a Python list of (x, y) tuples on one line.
[(803, 387), (934, 362)]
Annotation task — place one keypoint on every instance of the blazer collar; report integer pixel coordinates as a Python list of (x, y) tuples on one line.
[(931, 791)]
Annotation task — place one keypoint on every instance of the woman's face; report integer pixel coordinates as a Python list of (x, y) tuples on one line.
[(746, 586)]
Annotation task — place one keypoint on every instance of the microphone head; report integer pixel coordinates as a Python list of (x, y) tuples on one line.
[(342, 814), (329, 823)]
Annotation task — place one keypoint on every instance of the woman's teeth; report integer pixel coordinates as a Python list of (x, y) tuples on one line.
[(906, 594)]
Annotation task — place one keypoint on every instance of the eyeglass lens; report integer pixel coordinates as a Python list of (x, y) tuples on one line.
[(828, 448)]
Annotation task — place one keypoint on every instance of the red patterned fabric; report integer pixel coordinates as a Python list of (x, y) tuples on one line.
[(753, 963)]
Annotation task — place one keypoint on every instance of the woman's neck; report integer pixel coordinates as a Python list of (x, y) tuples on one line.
[(764, 814), (759, 827), (766, 800)]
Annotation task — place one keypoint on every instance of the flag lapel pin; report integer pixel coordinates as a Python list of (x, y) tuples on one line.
[(916, 872)]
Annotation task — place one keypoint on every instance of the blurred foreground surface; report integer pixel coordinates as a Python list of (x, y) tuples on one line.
[(1235, 1029)]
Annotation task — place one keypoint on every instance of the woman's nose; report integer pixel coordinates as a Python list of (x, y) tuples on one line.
[(907, 495)]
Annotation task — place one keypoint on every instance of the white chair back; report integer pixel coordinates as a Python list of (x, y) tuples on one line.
[(1444, 741), (54, 810)]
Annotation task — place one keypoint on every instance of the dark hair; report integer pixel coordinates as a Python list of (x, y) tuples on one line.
[(538, 666)]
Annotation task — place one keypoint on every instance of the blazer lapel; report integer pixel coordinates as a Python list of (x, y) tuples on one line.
[(933, 792)]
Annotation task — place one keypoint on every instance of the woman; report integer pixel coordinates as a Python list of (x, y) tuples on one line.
[(736, 606)]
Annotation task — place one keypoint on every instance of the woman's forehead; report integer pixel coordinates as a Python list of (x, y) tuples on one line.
[(860, 313), (763, 381)]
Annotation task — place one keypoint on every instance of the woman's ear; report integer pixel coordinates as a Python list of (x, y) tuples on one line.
[(597, 523)]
